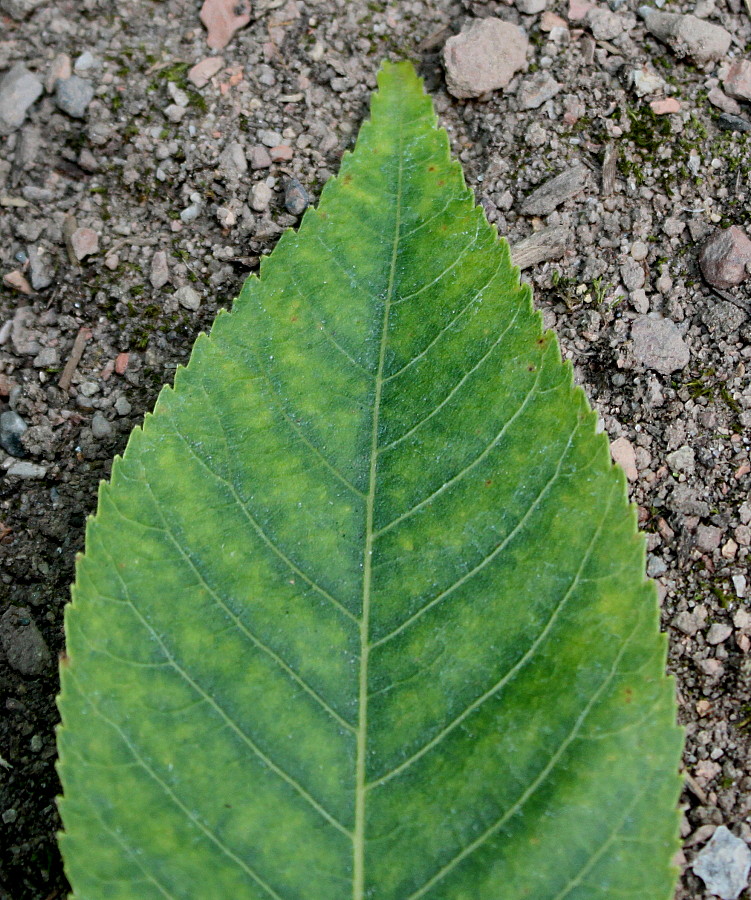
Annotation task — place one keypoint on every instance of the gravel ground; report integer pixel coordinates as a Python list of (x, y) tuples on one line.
[(137, 193)]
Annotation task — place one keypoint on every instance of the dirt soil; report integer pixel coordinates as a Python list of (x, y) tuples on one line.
[(182, 188)]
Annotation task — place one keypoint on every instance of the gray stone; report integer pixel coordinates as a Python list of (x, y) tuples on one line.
[(100, 427), (725, 258), (544, 199), (296, 199), (40, 271), (174, 113), (73, 95), (537, 89), (47, 358), (530, 7), (19, 88), (723, 864), (12, 427), (604, 24), (723, 317), (22, 642), (123, 406), (657, 344), (708, 538), (632, 274), (232, 161), (159, 275), (260, 196), (483, 57), (685, 500), (686, 35), (270, 138), (718, 632), (259, 157), (681, 460), (729, 122), (86, 62), (19, 9), (188, 297), (687, 622), (191, 213), (26, 470)]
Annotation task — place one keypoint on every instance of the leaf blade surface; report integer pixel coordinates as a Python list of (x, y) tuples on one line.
[(362, 611)]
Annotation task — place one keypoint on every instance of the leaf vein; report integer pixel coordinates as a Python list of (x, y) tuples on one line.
[(490, 556), (216, 706), (526, 658), (541, 779)]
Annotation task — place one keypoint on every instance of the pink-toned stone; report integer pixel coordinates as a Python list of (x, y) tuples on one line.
[(16, 281), (484, 57), (578, 9), (737, 82), (720, 99), (550, 20), (204, 70), (121, 363), (222, 18), (622, 451), (84, 242), (282, 153), (665, 107), (61, 69), (725, 257)]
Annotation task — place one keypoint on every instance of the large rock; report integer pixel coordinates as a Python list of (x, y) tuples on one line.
[(19, 88), (686, 35), (657, 344), (725, 257), (484, 57)]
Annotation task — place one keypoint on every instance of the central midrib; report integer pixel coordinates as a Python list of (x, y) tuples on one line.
[(358, 840)]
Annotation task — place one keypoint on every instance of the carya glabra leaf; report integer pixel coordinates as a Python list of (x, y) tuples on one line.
[(362, 611)]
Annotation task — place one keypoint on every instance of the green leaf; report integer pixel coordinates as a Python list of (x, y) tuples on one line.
[(362, 611)]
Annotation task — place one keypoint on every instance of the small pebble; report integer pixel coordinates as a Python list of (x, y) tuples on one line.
[(17, 281), (19, 89), (159, 275), (737, 82), (27, 470), (123, 406), (22, 641), (296, 199), (657, 344), (725, 256), (73, 95), (100, 427), (204, 70), (483, 57), (723, 864), (260, 196), (729, 122), (259, 157), (188, 297), (537, 89), (686, 35), (222, 19), (622, 452), (84, 242), (12, 427)]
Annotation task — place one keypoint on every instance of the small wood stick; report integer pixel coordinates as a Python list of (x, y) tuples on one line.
[(609, 164), (76, 353)]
